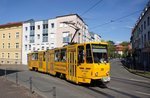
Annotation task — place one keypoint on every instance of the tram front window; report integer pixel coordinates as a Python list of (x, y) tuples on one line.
[(99, 53), (88, 54)]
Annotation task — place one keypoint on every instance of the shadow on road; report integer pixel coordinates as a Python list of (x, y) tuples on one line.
[(8, 71), (123, 93), (136, 83), (100, 92)]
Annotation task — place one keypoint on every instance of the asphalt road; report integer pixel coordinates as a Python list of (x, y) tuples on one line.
[(123, 85)]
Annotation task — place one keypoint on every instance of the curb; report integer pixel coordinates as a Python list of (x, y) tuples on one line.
[(135, 72)]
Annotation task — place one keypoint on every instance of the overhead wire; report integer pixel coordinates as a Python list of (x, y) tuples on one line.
[(111, 21), (91, 7)]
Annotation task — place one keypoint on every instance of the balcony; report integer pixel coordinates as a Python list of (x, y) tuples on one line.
[(31, 33)]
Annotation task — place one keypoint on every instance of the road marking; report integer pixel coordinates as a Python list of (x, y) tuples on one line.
[(139, 80), (142, 93)]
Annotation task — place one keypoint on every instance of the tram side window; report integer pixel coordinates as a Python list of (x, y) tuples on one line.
[(35, 56), (88, 54), (63, 55), (80, 54), (57, 58), (44, 56)]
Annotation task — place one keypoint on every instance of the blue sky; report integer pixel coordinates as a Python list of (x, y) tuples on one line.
[(104, 12)]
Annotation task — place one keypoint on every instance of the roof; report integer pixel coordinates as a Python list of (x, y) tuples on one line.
[(71, 15), (145, 10), (11, 24)]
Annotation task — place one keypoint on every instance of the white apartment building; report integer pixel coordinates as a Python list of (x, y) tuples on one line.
[(51, 33), (140, 40), (97, 38)]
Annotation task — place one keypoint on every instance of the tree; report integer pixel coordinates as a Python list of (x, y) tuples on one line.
[(125, 50), (124, 43), (111, 48)]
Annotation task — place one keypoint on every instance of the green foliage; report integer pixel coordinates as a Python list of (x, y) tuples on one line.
[(125, 50), (124, 43), (111, 48)]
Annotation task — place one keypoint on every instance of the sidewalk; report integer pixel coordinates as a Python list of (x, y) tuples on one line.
[(9, 89), (139, 72)]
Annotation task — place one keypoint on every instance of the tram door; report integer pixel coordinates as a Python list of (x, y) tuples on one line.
[(51, 62), (40, 61), (47, 61), (29, 61), (72, 65)]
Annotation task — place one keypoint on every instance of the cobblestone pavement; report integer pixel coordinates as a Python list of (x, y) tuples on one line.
[(9, 89)]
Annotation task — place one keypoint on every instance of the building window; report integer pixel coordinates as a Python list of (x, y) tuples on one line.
[(9, 35), (26, 28), (26, 37), (144, 38), (139, 30), (2, 55), (8, 45), (17, 45), (38, 27), (144, 25), (16, 55), (7, 62), (45, 26), (29, 47), (66, 38), (31, 39), (52, 35), (17, 35), (42, 47), (52, 25), (45, 38), (33, 48), (142, 28), (148, 21), (3, 45), (25, 47), (149, 35), (47, 48), (8, 55), (38, 36), (3, 35), (32, 28)]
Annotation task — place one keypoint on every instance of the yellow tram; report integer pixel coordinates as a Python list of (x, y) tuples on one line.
[(79, 63)]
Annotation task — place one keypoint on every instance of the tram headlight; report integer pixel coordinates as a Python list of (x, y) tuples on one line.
[(96, 74), (107, 73)]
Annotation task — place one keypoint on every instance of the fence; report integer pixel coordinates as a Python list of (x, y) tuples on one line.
[(31, 84)]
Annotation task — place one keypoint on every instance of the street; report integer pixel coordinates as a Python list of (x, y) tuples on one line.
[(123, 84)]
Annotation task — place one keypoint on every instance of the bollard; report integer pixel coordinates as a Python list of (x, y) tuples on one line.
[(17, 78), (30, 79), (6, 73), (54, 92)]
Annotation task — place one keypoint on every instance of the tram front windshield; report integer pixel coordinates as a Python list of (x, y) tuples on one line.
[(99, 53)]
